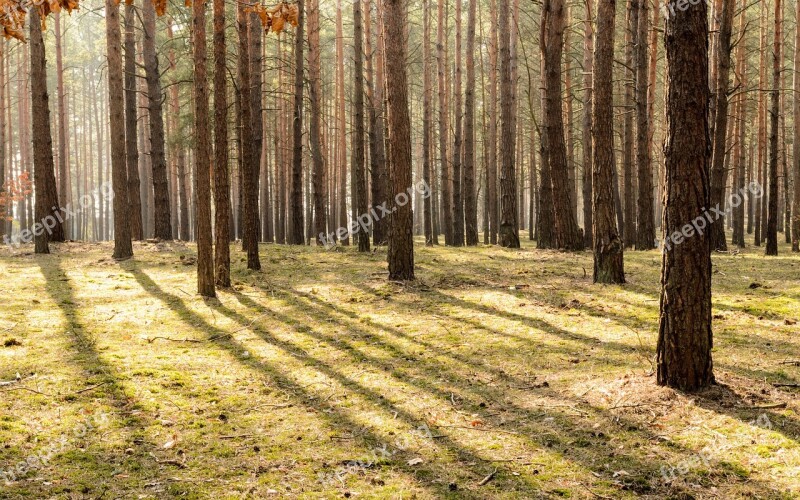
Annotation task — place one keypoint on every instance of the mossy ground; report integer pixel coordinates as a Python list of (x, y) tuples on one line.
[(501, 361)]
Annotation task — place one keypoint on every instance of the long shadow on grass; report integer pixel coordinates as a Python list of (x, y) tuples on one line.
[(571, 445), (336, 418), (104, 380)]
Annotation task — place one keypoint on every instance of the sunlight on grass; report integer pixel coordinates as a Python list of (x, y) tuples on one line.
[(318, 378)]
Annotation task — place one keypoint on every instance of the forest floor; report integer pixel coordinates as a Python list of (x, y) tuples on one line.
[(498, 374)]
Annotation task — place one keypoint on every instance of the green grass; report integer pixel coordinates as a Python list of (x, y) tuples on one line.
[(494, 360)]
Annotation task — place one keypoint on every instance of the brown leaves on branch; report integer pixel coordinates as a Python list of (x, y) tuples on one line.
[(14, 190), (275, 18), (13, 13)]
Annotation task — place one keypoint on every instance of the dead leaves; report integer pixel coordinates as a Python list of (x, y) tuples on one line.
[(13, 13), (275, 18)]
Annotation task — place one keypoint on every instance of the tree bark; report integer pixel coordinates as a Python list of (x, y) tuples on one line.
[(46, 209), (470, 201), (247, 149), (458, 200), (508, 235), (567, 235), (315, 95), (588, 74), (131, 126), (646, 230), (401, 237), (359, 167), (162, 220), (629, 229), (123, 248), (608, 246), (719, 175), (772, 192), (427, 115), (222, 199), (202, 158), (685, 337), (796, 142), (297, 217)]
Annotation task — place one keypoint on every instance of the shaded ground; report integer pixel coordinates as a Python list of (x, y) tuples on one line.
[(499, 374)]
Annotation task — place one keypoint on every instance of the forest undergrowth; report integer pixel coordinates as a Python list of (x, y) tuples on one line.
[(497, 374)]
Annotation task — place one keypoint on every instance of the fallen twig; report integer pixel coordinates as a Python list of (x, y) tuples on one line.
[(488, 478), (769, 406), (91, 388), (484, 429), (785, 385), (150, 340), (792, 362)]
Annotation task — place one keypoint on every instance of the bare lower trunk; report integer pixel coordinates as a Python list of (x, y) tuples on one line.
[(685, 338)]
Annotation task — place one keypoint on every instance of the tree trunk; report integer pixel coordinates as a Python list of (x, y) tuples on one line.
[(470, 201), (47, 210), (359, 172), (772, 209), (567, 235), (508, 235), (63, 158), (719, 175), (458, 201), (646, 230), (222, 199), (315, 95), (377, 124), (762, 125), (444, 129), (123, 248), (297, 217), (796, 142), (608, 246), (255, 32), (427, 115), (685, 338), (491, 146), (248, 146), (131, 126), (162, 220), (629, 230), (401, 237), (202, 157), (588, 74)]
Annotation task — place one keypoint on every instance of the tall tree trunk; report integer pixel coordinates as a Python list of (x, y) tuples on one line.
[(608, 246), (162, 221), (446, 175), (719, 175), (377, 135), (255, 32), (222, 198), (131, 126), (629, 230), (491, 146), (359, 167), (248, 146), (297, 218), (588, 74), (341, 125), (470, 201), (508, 235), (63, 159), (47, 210), (761, 206), (646, 230), (427, 115), (772, 192), (741, 125), (685, 338), (315, 95), (458, 200), (202, 157), (123, 248), (566, 228), (401, 237), (796, 142)]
